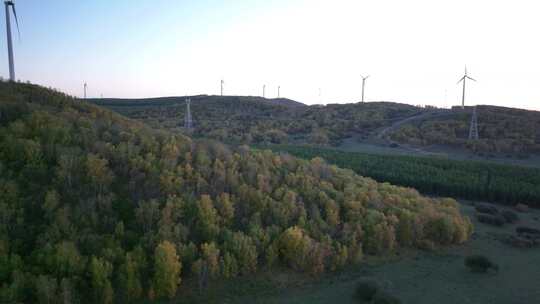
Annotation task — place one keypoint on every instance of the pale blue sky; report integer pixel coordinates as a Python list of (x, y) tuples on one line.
[(415, 50)]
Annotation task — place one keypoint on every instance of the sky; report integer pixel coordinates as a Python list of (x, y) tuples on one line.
[(415, 51)]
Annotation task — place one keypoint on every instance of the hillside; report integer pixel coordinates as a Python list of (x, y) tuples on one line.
[(254, 120), (97, 208), (257, 120), (501, 130), (473, 180)]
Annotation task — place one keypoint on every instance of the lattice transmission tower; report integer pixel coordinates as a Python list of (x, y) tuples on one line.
[(473, 131), (188, 120)]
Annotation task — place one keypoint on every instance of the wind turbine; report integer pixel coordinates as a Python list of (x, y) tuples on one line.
[(9, 41), (264, 90), (363, 85), (278, 88), (222, 83), (464, 80), (85, 87)]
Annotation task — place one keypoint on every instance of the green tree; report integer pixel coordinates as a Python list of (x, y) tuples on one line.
[(100, 284), (68, 261), (46, 289), (129, 278), (210, 255), (244, 250), (98, 172), (225, 208), (207, 219), (167, 269)]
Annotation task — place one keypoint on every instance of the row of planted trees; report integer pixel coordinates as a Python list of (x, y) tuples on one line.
[(464, 179)]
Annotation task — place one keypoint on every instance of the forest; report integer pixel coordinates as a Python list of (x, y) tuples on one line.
[(254, 120), (438, 176), (98, 208), (501, 130)]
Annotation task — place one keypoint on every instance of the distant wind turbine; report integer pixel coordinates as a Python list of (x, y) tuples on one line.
[(464, 80), (264, 90), (222, 83), (9, 41), (85, 87), (278, 88), (363, 85)]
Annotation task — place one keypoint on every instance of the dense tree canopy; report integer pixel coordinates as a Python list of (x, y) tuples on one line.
[(444, 177), (97, 208)]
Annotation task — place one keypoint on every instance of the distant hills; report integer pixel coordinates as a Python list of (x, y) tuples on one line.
[(163, 101), (501, 130), (256, 120)]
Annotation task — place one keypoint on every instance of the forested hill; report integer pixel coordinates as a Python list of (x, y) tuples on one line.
[(210, 99), (256, 120), (97, 208), (501, 130)]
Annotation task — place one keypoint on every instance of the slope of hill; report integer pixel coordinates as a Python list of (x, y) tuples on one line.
[(257, 120), (472, 180), (97, 208), (501, 130)]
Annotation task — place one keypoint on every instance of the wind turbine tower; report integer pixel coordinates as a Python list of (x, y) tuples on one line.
[(9, 40), (278, 88), (264, 90), (222, 83), (363, 85), (188, 121), (85, 87), (464, 80)]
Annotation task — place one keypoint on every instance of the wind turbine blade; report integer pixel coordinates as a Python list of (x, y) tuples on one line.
[(462, 78), (16, 20), (471, 78)]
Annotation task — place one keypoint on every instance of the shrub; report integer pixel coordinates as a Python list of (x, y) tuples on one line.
[(480, 264), (491, 219), (487, 209), (427, 245), (527, 230), (366, 290), (510, 216)]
